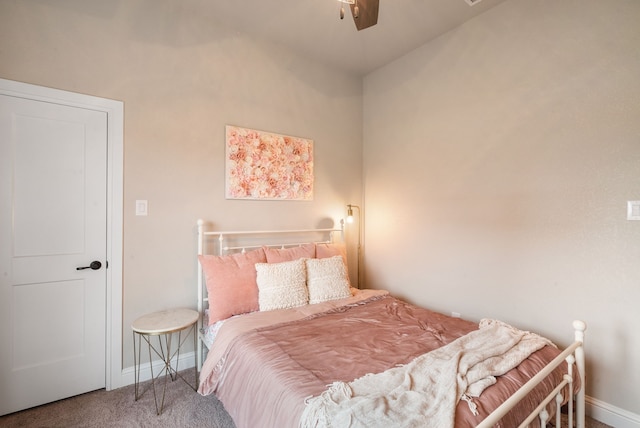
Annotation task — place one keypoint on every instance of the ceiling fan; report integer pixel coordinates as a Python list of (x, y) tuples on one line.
[(364, 12)]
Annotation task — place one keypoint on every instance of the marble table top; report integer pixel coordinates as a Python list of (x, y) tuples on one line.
[(166, 321)]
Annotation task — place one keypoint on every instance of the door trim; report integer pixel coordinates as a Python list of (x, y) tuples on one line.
[(115, 173)]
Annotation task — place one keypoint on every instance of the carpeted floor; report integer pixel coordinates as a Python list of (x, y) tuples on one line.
[(183, 407)]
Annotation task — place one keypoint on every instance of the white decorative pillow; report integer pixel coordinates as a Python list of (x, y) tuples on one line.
[(327, 279), (281, 285)]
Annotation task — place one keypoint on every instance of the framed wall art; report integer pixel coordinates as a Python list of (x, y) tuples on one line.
[(265, 165)]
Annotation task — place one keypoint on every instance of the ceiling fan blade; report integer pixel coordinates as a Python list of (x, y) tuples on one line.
[(368, 13)]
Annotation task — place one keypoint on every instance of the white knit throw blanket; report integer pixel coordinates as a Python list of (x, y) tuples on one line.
[(425, 392)]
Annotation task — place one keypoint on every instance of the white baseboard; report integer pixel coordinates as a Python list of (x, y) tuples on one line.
[(611, 415), (187, 361)]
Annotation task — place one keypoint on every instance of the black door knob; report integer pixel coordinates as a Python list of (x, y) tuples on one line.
[(95, 265)]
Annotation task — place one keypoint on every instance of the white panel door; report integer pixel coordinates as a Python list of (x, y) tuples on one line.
[(53, 190)]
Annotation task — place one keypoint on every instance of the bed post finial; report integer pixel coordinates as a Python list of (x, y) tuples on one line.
[(200, 236), (579, 327)]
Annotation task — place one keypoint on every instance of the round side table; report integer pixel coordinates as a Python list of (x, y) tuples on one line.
[(163, 324)]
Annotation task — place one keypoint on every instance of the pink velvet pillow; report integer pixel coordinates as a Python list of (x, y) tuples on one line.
[(231, 283), (324, 250), (275, 255)]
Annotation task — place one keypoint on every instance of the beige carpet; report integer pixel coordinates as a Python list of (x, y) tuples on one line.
[(183, 407)]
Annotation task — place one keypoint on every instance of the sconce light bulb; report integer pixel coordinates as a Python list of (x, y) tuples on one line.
[(341, 12)]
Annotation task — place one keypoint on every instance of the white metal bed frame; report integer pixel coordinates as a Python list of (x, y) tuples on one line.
[(573, 354)]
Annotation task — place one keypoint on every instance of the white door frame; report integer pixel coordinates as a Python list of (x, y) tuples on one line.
[(115, 145)]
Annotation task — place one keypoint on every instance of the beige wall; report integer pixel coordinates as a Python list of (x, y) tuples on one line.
[(498, 162), (183, 77)]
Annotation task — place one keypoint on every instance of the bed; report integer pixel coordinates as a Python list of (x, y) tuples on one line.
[(285, 341)]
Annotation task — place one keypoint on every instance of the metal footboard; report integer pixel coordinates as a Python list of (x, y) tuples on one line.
[(574, 356)]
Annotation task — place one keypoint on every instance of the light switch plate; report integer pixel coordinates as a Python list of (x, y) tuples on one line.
[(142, 207), (633, 210)]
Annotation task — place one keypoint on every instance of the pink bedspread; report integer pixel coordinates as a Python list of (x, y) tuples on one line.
[(265, 364)]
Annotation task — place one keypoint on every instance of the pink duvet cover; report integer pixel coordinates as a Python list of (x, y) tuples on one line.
[(263, 365)]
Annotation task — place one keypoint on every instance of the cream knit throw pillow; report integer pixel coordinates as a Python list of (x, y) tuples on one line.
[(281, 285), (327, 279)]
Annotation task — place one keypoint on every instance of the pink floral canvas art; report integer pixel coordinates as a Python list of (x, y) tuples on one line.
[(264, 165)]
